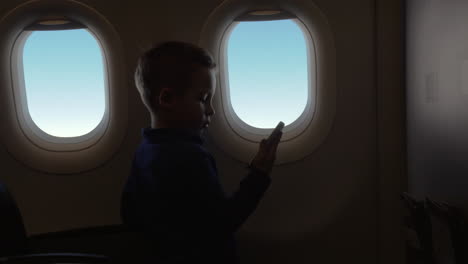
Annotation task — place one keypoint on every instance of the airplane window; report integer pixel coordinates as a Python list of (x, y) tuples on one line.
[(64, 81), (267, 69)]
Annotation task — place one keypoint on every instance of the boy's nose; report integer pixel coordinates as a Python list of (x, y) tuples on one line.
[(211, 111)]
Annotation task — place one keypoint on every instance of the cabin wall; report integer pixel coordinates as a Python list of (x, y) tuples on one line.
[(437, 100), (322, 209)]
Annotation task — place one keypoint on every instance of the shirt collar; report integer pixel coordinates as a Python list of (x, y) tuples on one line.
[(160, 135)]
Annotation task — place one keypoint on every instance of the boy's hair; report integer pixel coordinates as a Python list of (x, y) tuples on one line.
[(169, 64)]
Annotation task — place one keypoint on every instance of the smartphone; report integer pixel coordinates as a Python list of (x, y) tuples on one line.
[(276, 131)]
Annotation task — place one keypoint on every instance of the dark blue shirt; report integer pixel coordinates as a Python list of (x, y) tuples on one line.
[(174, 197)]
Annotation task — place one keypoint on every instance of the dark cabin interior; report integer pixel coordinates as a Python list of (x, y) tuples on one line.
[(385, 183)]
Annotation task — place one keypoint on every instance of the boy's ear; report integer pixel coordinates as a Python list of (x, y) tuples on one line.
[(165, 97)]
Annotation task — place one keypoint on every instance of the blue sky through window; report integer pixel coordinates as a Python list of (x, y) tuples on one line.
[(64, 81), (267, 64)]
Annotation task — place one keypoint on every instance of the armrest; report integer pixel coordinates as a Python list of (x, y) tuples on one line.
[(54, 257)]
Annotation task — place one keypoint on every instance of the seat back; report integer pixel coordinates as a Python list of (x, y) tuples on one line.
[(13, 240)]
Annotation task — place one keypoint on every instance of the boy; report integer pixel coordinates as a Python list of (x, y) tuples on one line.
[(173, 194)]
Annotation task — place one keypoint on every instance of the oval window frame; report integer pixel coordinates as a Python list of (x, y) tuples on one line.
[(29, 127), (302, 137), (61, 155), (256, 134)]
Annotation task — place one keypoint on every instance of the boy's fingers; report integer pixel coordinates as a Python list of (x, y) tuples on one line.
[(265, 146), (274, 144), (271, 143), (277, 139)]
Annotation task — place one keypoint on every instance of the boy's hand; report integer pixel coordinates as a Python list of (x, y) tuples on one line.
[(266, 154)]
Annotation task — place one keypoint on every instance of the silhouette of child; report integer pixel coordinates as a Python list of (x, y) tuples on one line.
[(173, 194)]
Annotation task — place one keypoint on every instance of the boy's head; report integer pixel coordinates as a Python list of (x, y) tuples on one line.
[(176, 81)]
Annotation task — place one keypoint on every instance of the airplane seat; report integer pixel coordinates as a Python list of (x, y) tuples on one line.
[(14, 243), (440, 230), (13, 240), (118, 242)]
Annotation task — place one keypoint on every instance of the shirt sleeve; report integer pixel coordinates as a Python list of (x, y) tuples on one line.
[(210, 213)]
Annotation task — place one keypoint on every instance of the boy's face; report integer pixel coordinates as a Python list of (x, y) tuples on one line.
[(194, 108)]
